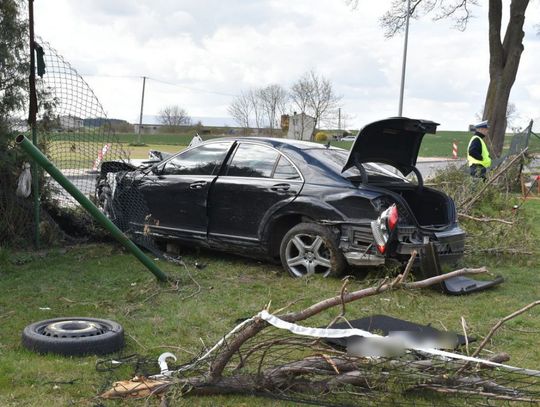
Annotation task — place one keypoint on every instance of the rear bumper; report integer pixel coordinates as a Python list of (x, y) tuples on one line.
[(450, 245)]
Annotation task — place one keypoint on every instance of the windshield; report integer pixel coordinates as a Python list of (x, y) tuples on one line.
[(336, 159)]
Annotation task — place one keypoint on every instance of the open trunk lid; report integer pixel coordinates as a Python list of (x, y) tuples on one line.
[(394, 141)]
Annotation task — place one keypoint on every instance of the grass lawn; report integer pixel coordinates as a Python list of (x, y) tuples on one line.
[(104, 281)]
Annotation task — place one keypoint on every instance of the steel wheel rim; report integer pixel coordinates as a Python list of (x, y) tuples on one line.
[(307, 254), (73, 328)]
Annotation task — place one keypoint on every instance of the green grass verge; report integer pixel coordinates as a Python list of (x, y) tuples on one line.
[(103, 281)]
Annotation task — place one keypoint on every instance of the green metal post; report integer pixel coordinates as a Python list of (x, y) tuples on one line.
[(44, 162)]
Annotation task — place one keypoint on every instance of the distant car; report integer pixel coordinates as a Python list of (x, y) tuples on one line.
[(348, 138), (316, 208)]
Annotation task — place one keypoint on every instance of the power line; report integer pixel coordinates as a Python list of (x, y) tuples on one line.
[(163, 82), (110, 76), (192, 88)]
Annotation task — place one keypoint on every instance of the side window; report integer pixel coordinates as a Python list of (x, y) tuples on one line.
[(251, 160), (285, 170), (201, 160)]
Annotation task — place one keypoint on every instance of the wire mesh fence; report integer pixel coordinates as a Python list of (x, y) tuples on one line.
[(78, 138), (73, 122)]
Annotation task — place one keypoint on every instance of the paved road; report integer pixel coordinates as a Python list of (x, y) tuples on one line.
[(428, 167)]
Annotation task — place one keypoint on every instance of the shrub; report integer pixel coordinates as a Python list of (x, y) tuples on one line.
[(321, 136), (486, 233)]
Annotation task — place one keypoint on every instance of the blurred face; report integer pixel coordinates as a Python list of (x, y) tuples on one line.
[(483, 130)]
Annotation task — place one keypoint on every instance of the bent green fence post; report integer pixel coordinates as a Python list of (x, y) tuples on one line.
[(44, 162)]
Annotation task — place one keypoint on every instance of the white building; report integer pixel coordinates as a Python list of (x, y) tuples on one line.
[(70, 122), (301, 126)]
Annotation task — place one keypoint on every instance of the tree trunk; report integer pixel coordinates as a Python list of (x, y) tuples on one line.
[(503, 66)]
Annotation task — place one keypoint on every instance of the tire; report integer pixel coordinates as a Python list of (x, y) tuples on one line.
[(309, 249), (74, 336)]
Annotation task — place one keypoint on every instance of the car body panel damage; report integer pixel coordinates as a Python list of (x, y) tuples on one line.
[(287, 199)]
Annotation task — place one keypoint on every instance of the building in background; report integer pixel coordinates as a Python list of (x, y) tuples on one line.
[(301, 126)]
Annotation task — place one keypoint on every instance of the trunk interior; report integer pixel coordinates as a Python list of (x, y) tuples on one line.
[(431, 208)]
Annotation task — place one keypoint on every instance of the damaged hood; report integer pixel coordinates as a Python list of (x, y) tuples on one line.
[(394, 141)]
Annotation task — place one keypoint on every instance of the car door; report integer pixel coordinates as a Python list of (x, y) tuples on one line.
[(256, 181), (176, 193)]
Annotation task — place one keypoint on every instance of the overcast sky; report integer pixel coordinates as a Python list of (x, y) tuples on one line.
[(200, 53)]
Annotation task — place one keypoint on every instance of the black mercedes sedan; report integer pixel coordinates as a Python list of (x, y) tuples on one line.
[(316, 208)]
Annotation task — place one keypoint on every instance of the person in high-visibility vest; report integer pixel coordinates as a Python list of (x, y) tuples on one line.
[(477, 151)]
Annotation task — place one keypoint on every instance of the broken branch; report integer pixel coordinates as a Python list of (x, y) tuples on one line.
[(500, 323), (506, 222)]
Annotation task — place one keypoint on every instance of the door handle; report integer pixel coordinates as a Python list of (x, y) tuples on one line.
[(197, 185), (280, 187)]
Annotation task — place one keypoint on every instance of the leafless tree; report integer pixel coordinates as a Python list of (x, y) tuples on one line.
[(512, 114), (504, 48), (314, 95), (240, 109), (256, 107), (174, 116), (273, 101)]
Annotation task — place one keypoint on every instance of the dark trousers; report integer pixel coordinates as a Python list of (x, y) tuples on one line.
[(477, 171)]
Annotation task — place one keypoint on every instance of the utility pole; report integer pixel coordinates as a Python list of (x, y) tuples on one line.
[(403, 66), (140, 116), (339, 118)]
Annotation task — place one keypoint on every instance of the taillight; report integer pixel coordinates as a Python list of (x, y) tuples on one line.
[(383, 226), (393, 217)]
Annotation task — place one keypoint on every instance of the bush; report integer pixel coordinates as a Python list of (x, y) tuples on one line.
[(321, 136), (487, 234)]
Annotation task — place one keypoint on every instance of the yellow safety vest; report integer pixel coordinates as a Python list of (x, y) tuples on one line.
[(486, 159)]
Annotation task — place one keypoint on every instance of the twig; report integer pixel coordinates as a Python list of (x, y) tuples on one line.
[(341, 294), (138, 343), (7, 314), (381, 283), (502, 250), (506, 222), (409, 267), (288, 305), (446, 390), (194, 293), (500, 323), (464, 327)]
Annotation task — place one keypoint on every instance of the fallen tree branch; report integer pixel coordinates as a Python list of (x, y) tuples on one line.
[(506, 222), (322, 371), (259, 324)]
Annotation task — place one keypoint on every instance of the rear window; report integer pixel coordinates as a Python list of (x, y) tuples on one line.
[(337, 158)]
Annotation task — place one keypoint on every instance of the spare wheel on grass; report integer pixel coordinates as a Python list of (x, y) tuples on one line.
[(74, 336)]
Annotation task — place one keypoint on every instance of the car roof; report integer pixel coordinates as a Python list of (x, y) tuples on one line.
[(278, 142)]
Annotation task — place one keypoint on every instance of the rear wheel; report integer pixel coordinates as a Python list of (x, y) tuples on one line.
[(309, 249)]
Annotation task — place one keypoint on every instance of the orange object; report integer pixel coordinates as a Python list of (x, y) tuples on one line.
[(454, 150)]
